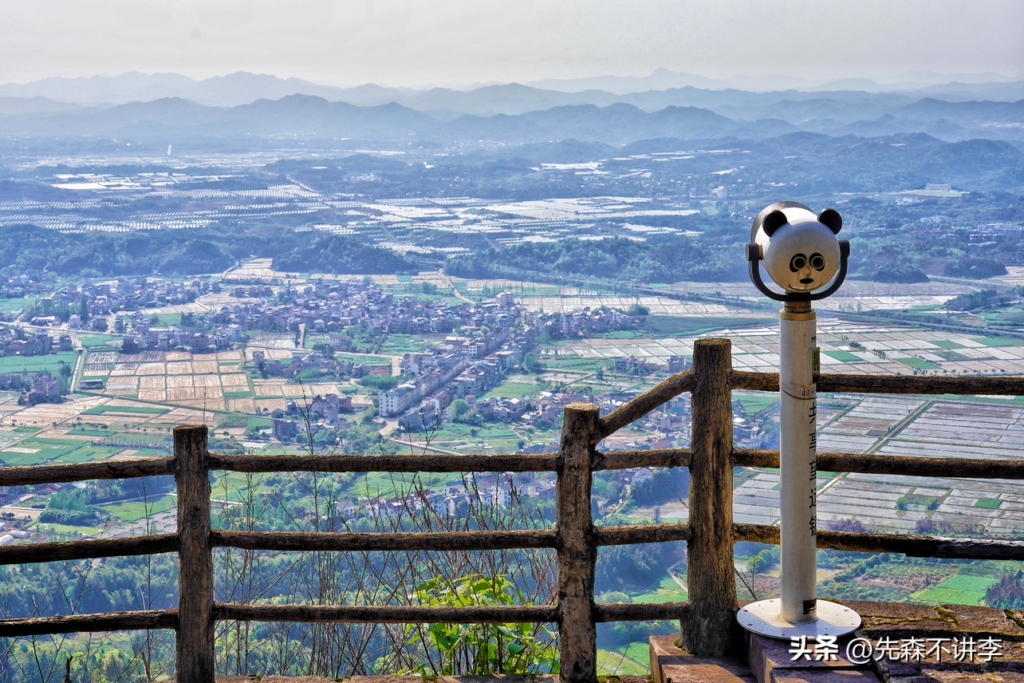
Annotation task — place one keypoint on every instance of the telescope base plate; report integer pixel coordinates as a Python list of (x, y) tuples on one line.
[(764, 618)]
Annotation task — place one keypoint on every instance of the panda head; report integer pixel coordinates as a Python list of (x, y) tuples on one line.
[(800, 250)]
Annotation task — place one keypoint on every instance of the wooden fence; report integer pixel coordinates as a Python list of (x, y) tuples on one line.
[(708, 619)]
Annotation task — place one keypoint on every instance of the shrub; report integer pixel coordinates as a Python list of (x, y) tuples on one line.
[(974, 268), (898, 272)]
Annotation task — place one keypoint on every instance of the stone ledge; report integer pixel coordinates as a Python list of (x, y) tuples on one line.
[(498, 678), (669, 664)]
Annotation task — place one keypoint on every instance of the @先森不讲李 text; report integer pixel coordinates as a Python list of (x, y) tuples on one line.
[(862, 650)]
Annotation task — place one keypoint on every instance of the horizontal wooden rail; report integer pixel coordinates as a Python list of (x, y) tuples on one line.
[(461, 540), (625, 460), (754, 381), (964, 468), (642, 533), (83, 550), (641, 611), (386, 615), (912, 546), (645, 403), (56, 474), (383, 463), (890, 384), (448, 541), (90, 623)]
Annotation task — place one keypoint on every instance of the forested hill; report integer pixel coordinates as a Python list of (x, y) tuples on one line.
[(334, 254), (615, 259), (25, 248)]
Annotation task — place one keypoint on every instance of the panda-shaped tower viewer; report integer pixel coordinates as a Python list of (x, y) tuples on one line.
[(803, 255), (799, 250)]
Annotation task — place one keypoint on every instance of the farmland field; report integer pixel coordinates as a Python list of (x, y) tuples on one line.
[(50, 363), (956, 590)]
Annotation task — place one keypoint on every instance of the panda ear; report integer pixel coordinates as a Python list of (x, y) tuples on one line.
[(832, 219), (773, 221)]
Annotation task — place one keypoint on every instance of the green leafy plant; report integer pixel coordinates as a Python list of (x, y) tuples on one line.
[(480, 649)]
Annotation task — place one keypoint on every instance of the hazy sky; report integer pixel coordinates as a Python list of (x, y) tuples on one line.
[(451, 42)]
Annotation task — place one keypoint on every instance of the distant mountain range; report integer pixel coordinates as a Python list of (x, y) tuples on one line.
[(754, 116), (661, 89)]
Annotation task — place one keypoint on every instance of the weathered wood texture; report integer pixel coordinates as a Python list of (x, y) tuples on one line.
[(645, 403), (89, 623), (386, 614), (462, 540), (643, 533), (902, 384), (709, 625), (888, 464), (195, 635), (755, 381), (641, 612), (384, 463), (913, 546), (577, 552), (56, 474), (889, 384), (627, 460), (81, 550)]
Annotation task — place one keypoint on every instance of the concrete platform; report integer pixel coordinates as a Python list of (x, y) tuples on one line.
[(890, 629), (669, 664)]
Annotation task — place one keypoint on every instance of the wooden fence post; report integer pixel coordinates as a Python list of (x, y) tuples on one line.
[(710, 627), (195, 636), (577, 552)]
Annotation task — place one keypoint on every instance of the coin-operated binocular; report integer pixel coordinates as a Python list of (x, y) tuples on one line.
[(801, 253), (799, 250)]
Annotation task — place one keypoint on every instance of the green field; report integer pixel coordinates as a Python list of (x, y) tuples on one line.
[(576, 364), (363, 360), (667, 325), (917, 364), (988, 503), (844, 356), (399, 344), (755, 403), (957, 590), (638, 652), (511, 390), (15, 306), (135, 510), (93, 341), (56, 451), (668, 591), (996, 342), (946, 344), (48, 363), (614, 663), (127, 410)]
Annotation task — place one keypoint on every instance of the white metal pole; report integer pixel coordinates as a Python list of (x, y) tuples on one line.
[(799, 462)]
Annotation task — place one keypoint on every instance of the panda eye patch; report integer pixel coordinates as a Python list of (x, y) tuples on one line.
[(817, 261), (798, 262)]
